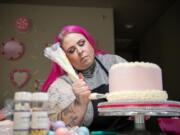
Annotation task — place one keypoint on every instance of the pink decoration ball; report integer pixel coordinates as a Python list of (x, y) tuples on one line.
[(61, 131), (58, 124)]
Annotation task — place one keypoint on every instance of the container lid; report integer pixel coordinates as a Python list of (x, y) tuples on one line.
[(39, 96), (23, 96)]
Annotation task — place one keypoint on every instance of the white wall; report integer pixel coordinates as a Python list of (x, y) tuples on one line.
[(46, 22)]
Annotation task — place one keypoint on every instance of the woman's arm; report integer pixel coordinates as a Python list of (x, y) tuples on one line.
[(74, 114)]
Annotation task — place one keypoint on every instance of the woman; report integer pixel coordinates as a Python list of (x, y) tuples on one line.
[(69, 101)]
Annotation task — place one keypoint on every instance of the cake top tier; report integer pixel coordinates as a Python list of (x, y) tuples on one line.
[(140, 64), (135, 76)]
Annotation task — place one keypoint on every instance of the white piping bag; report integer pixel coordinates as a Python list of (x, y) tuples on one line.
[(56, 54)]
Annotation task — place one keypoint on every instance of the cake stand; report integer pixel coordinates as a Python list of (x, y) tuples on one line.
[(139, 110)]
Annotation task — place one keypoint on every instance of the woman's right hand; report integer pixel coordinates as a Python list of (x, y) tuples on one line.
[(81, 91), (74, 114)]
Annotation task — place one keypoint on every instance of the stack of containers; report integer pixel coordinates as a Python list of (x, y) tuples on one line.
[(22, 113), (40, 122)]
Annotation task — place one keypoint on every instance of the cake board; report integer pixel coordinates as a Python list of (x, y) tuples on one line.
[(139, 110)]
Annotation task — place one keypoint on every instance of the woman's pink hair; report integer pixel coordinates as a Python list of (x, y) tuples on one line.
[(56, 70)]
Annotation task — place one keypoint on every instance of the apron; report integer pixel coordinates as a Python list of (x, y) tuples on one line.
[(107, 123)]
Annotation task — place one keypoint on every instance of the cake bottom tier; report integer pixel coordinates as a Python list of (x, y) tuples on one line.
[(137, 95)]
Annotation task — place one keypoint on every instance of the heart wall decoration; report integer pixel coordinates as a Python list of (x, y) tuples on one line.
[(19, 77)]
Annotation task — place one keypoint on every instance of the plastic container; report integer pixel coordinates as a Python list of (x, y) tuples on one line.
[(40, 121), (6, 127), (7, 111), (22, 113)]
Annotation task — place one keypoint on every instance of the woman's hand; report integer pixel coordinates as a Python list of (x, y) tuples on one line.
[(81, 91), (74, 114)]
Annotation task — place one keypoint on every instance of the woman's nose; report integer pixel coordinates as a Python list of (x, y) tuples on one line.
[(79, 50)]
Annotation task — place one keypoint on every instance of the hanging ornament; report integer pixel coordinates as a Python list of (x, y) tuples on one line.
[(22, 24), (38, 84), (47, 45), (35, 72), (12, 49), (34, 57)]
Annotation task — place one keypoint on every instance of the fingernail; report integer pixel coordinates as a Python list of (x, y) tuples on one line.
[(81, 76)]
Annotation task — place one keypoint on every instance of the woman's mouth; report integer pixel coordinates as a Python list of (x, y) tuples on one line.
[(84, 58)]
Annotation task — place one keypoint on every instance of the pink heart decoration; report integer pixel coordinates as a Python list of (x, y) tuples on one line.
[(19, 77)]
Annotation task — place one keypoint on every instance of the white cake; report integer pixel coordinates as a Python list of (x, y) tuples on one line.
[(136, 81)]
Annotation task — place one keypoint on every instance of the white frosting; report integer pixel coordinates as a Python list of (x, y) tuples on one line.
[(142, 64), (93, 96), (137, 95)]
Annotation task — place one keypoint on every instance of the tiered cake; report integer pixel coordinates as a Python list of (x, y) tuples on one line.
[(136, 81)]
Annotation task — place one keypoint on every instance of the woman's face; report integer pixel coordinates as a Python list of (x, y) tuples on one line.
[(78, 50)]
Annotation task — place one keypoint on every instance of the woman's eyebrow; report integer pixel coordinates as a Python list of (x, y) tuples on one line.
[(80, 40)]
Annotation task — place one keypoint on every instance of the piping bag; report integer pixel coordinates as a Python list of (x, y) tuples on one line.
[(56, 54)]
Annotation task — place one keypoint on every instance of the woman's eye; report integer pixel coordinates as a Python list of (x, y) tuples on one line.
[(71, 50), (81, 43)]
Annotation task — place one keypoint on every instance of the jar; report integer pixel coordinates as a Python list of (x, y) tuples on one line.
[(22, 113), (40, 121)]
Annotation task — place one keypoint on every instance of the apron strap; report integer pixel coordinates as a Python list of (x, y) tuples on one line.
[(106, 71)]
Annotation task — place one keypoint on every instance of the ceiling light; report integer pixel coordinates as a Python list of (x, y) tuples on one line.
[(129, 26)]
